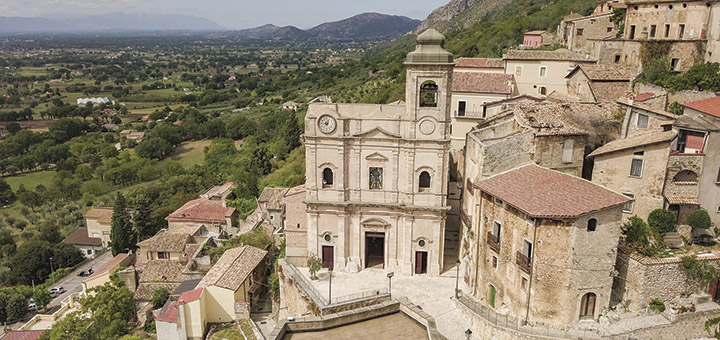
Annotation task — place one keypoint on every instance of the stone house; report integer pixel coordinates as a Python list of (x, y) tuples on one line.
[(600, 83), (295, 228), (271, 204), (640, 119), (539, 73), (377, 175), (542, 245), (176, 243), (535, 39), (97, 220), (576, 32), (101, 275), (485, 65), (213, 213), (89, 246)]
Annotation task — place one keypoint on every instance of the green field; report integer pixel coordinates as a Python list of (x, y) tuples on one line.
[(32, 71), (189, 154), (31, 179)]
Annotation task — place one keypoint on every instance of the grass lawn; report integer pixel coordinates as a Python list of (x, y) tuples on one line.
[(31, 179), (190, 153), (150, 110), (233, 333), (32, 71)]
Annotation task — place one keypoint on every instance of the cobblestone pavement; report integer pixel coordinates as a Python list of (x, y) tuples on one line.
[(432, 294)]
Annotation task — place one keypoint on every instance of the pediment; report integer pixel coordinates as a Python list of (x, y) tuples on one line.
[(376, 156), (377, 132)]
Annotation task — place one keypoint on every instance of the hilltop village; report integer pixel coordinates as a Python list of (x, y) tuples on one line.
[(541, 195)]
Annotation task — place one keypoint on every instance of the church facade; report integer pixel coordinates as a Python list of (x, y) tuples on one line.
[(377, 175)]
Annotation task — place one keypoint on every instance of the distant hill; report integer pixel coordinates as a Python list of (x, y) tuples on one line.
[(366, 25), (107, 22), (258, 32), (289, 33), (460, 14)]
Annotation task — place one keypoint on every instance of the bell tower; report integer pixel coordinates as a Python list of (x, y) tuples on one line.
[(428, 88)]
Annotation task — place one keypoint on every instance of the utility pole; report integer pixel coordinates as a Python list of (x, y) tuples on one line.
[(51, 266)]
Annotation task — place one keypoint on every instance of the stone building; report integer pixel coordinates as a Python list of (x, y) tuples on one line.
[(542, 245), (295, 227), (213, 213), (271, 204), (535, 39), (377, 175), (539, 73), (88, 246), (97, 220), (575, 33), (600, 83)]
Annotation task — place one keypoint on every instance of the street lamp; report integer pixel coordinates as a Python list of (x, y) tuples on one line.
[(330, 270), (457, 277), (51, 267), (390, 276), (468, 332)]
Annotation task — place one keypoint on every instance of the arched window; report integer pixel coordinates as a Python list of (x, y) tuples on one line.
[(587, 306), (327, 177), (428, 94), (592, 224), (685, 176), (424, 180)]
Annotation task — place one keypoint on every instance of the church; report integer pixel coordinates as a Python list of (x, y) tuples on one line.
[(377, 175)]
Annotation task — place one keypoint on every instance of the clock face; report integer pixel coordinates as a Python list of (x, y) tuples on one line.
[(327, 124)]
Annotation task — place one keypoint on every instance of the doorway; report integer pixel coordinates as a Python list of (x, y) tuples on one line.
[(587, 306), (374, 250), (421, 262), (714, 290), (493, 293), (328, 256)]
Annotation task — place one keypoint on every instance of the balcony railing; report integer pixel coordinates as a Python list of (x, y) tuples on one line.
[(493, 241), (469, 114), (523, 262)]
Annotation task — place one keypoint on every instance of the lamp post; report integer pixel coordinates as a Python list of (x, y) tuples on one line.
[(330, 270), (468, 332), (51, 267), (457, 277), (390, 276)]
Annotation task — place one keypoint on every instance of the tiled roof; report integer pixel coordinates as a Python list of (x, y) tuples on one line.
[(165, 240), (544, 193), (168, 313), (610, 91), (295, 190), (606, 72), (218, 191), (111, 265), (683, 200), (273, 197), (190, 296), (572, 16), (203, 210), (699, 122), (644, 96), (189, 229), (561, 54), (102, 214), (480, 63), (633, 142), (595, 16), (80, 237), (146, 290), (163, 270), (233, 267), (521, 97), (22, 335), (535, 32), (649, 109), (547, 119), (478, 82), (710, 106)]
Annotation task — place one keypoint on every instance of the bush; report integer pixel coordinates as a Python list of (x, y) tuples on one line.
[(635, 231), (160, 297), (699, 271), (699, 219), (314, 264), (662, 221), (657, 305)]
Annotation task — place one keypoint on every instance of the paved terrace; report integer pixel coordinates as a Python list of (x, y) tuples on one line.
[(432, 294)]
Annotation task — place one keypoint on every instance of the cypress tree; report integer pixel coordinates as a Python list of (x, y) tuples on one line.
[(122, 238)]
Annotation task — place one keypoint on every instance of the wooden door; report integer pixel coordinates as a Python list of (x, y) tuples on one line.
[(420, 262), (714, 291), (587, 306), (328, 254), (493, 292)]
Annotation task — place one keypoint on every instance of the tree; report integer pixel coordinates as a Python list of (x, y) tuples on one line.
[(31, 262), (142, 221), (160, 297), (635, 230), (112, 306), (66, 255), (699, 219), (17, 307), (72, 327), (662, 221), (3, 306), (42, 297), (154, 148), (121, 234), (30, 199), (314, 264), (292, 132), (13, 127), (6, 193)]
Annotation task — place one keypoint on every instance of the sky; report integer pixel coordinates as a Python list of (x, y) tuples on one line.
[(232, 14)]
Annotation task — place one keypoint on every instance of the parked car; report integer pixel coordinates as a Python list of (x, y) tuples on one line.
[(86, 272), (57, 290), (31, 306)]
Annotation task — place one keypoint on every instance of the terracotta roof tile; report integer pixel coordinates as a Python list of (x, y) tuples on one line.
[(478, 82), (80, 237), (219, 191), (480, 63), (273, 197), (202, 210), (633, 142), (710, 106), (643, 97), (190, 296), (111, 265), (544, 193), (610, 91), (233, 267), (648, 109), (23, 335), (572, 16), (606, 72), (561, 54), (683, 200), (300, 189), (168, 313), (101, 214), (146, 290), (162, 270), (166, 240), (548, 119)]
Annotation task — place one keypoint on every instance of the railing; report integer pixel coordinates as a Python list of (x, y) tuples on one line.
[(493, 241), (523, 262), (469, 114), (366, 295)]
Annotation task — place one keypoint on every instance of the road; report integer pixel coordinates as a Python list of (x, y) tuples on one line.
[(73, 283)]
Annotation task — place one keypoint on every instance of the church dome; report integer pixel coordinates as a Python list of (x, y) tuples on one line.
[(429, 49)]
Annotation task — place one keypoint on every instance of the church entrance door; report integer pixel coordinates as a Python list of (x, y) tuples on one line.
[(374, 250)]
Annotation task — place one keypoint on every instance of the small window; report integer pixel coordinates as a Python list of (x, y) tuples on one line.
[(518, 71), (498, 201), (106, 233), (639, 153), (632, 32), (717, 180), (376, 178), (681, 31), (527, 249), (424, 181), (461, 108), (543, 71), (327, 237), (327, 177), (163, 255), (567, 155), (523, 283), (653, 30), (609, 29), (421, 243), (636, 168), (428, 94), (494, 262), (580, 32), (628, 207), (674, 64), (617, 58), (298, 225), (497, 228), (542, 90), (89, 251), (592, 224), (667, 30), (272, 217), (95, 235), (718, 209), (642, 121), (530, 220)]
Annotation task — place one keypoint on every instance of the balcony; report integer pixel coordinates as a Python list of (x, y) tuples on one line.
[(469, 114), (523, 262), (493, 241)]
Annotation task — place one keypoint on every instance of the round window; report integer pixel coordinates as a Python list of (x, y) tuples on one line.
[(421, 243), (327, 237)]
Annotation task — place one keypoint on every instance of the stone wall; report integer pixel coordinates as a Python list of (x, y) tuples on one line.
[(690, 326), (671, 97)]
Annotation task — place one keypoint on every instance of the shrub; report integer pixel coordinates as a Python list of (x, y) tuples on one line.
[(699, 219), (636, 232), (160, 297), (699, 271), (314, 264), (657, 305), (662, 220)]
